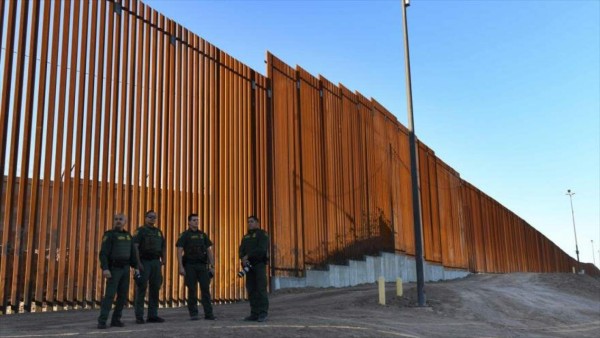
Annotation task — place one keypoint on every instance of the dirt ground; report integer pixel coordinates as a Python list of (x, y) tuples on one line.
[(511, 305)]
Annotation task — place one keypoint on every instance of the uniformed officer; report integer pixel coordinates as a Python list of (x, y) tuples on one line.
[(196, 264), (116, 256), (150, 249), (254, 250)]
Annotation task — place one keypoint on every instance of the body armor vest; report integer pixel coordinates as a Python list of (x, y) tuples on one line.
[(121, 246), (151, 243), (195, 247)]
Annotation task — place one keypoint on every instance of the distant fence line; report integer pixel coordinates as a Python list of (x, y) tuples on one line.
[(108, 106)]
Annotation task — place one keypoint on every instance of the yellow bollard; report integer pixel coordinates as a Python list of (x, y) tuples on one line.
[(381, 282), (399, 287)]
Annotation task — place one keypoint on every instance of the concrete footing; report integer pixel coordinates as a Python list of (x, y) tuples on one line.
[(388, 265)]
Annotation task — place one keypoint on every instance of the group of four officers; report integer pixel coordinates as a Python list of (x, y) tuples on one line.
[(145, 252)]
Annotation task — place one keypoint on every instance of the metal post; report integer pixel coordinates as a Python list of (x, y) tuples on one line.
[(593, 252), (573, 215), (413, 167)]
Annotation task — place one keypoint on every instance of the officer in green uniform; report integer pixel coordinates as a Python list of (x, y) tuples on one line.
[(150, 250), (116, 256), (196, 264), (254, 250)]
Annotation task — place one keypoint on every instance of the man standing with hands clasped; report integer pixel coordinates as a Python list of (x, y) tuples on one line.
[(196, 264), (116, 256), (149, 244), (254, 255)]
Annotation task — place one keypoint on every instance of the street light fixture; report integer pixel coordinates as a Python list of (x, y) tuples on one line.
[(413, 167), (570, 193)]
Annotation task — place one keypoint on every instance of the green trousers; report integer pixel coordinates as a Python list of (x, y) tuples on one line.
[(198, 273), (256, 284), (151, 275), (118, 284)]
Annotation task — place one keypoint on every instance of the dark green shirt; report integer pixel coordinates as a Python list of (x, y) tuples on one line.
[(117, 248), (255, 244), (195, 245), (150, 240)]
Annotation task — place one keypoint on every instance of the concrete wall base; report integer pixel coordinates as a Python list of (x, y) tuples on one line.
[(388, 265)]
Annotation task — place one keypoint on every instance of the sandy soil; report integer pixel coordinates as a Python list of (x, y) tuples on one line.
[(511, 305)]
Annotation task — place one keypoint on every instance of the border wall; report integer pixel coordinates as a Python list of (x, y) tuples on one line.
[(108, 106)]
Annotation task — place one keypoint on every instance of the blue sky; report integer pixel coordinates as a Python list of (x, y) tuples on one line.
[(505, 92)]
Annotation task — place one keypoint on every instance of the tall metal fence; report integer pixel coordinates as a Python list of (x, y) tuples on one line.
[(108, 106)]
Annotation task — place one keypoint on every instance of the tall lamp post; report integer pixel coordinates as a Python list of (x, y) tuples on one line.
[(413, 167), (570, 193), (593, 252)]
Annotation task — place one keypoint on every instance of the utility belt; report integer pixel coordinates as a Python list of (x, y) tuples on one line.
[(258, 260), (149, 257), (186, 260), (118, 264)]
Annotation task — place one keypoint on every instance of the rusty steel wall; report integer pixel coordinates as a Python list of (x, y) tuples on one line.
[(108, 106), (111, 107), (342, 183)]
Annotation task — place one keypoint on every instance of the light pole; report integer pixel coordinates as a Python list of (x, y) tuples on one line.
[(593, 255), (413, 167), (570, 193)]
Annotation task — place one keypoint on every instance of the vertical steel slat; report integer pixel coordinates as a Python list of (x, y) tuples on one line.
[(146, 128), (138, 181), (174, 133), (57, 193), (204, 78), (30, 278), (96, 206), (210, 145), (194, 64), (154, 73), (177, 160), (244, 198), (215, 169), (185, 191), (2, 9), (6, 84), (185, 165), (43, 251), (224, 160), (221, 171), (107, 111), (78, 243), (167, 173), (231, 183), (65, 240), (426, 204), (87, 216), (164, 115), (436, 214), (113, 125), (121, 122), (22, 230), (229, 163), (129, 112), (159, 115)]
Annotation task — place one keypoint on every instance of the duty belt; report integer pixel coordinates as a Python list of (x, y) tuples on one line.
[(118, 264), (149, 257)]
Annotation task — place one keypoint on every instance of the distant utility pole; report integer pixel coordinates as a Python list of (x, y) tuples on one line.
[(593, 251), (570, 193), (413, 167)]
